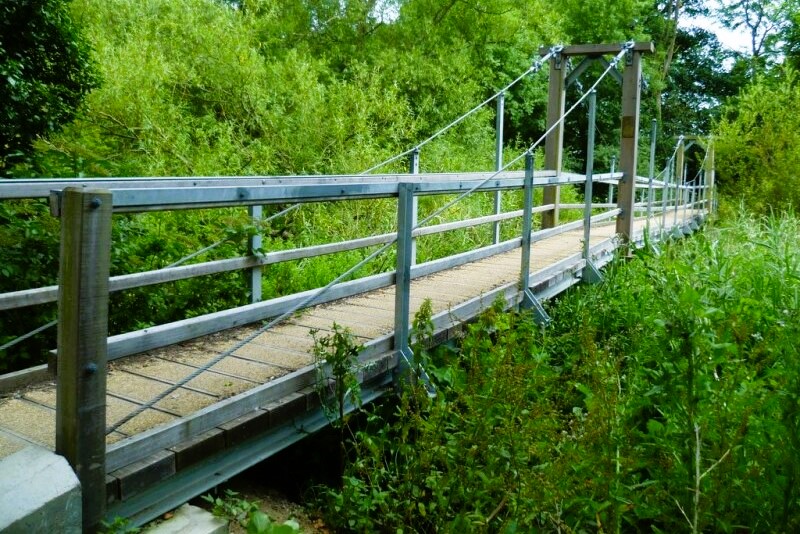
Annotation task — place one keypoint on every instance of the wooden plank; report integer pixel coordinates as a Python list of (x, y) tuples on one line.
[(600, 49), (82, 333), (154, 337), (19, 379), (141, 445), (245, 427), (140, 475), (286, 408), (194, 450)]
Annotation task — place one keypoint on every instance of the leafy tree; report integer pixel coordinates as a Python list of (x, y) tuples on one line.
[(45, 72), (757, 140)]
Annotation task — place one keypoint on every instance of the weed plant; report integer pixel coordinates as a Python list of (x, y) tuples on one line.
[(663, 400)]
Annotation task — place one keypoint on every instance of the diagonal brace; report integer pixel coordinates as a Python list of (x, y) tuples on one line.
[(530, 302)]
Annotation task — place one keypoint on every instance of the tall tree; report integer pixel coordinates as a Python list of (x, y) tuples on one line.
[(45, 72), (764, 23)]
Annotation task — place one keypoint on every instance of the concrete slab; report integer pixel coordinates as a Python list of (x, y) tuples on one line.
[(190, 519), (39, 492)]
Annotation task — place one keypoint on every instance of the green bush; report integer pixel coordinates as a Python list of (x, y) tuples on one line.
[(665, 399), (758, 145)]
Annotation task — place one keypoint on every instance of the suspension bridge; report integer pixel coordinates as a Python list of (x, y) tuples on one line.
[(150, 418)]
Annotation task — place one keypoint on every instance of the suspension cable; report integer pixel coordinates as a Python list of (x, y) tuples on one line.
[(530, 149), (308, 300), (535, 67), (205, 367), (32, 333)]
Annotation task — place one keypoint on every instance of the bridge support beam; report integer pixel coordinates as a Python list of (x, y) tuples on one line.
[(554, 142), (82, 342), (629, 140)]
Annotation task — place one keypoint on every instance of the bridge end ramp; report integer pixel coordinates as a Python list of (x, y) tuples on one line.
[(39, 492)]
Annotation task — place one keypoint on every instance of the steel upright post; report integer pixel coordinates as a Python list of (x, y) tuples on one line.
[(590, 273), (254, 247), (414, 169), (527, 223), (402, 288), (82, 342), (498, 161), (679, 159), (554, 142), (709, 178), (629, 142), (652, 170), (664, 197), (611, 186)]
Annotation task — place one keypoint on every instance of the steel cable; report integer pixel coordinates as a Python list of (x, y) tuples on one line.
[(311, 298)]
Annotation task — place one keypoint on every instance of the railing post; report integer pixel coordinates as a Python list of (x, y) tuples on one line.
[(82, 343), (590, 272), (686, 195), (498, 160), (679, 158), (413, 168), (652, 173), (528, 298), (254, 247), (402, 288), (611, 186), (629, 142), (664, 197), (709, 177), (527, 223), (554, 142)]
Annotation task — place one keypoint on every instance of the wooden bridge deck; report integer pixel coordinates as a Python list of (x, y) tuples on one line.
[(27, 416)]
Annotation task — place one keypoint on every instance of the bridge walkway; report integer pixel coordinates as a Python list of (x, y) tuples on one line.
[(28, 416)]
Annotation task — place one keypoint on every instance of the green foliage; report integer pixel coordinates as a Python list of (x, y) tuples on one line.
[(757, 145), (336, 357), (119, 525), (665, 397), (231, 507), (45, 72)]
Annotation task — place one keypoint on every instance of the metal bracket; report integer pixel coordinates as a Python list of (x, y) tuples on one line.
[(628, 53), (591, 273), (530, 302), (55, 202), (557, 57)]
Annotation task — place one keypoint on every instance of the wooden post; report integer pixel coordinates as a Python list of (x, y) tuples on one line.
[(254, 246), (554, 143), (82, 343), (629, 142)]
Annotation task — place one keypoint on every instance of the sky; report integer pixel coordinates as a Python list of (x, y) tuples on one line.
[(738, 41)]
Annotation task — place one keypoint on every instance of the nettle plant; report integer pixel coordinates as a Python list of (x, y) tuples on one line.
[(336, 357)]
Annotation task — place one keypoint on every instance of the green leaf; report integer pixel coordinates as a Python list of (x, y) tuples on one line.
[(259, 523)]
